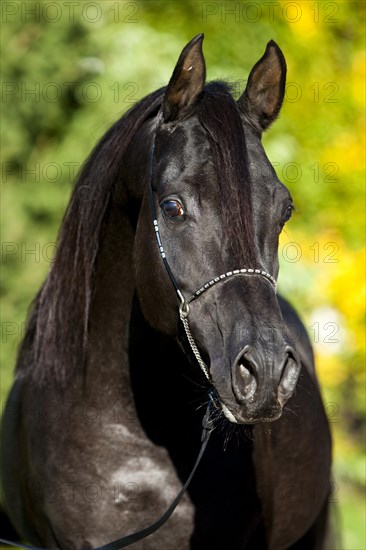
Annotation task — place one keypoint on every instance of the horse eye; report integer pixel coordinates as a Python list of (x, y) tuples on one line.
[(287, 214), (172, 208)]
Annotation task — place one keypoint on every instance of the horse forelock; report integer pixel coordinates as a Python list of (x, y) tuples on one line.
[(219, 115)]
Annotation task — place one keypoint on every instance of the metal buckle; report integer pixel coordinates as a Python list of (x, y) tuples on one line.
[(183, 306)]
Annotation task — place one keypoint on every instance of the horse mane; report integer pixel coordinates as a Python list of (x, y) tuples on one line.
[(57, 332), (219, 115), (56, 341)]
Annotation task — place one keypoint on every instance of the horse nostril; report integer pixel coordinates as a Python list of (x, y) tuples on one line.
[(246, 371), (289, 376), (245, 383)]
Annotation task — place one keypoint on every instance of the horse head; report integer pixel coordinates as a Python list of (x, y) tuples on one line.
[(219, 210)]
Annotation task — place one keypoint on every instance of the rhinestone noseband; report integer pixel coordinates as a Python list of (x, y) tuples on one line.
[(249, 271), (184, 303)]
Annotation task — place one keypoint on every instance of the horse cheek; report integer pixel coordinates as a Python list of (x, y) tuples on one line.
[(153, 287)]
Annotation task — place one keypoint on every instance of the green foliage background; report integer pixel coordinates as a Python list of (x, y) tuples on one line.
[(69, 70)]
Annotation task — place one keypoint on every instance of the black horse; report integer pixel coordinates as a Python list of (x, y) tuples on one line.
[(103, 422)]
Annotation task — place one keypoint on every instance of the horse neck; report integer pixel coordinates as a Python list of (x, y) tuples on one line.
[(126, 360), (130, 365)]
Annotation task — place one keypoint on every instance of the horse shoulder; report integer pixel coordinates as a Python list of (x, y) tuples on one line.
[(292, 458)]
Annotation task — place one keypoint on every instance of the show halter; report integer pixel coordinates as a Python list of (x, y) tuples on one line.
[(184, 308)]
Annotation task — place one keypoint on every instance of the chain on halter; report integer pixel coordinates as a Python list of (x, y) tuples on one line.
[(184, 307)]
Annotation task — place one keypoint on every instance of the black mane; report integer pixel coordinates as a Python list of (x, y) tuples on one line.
[(56, 341), (57, 334), (219, 115)]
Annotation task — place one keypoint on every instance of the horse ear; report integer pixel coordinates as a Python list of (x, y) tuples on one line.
[(187, 80), (262, 99)]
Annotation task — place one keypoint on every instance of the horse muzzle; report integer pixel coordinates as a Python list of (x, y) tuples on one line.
[(253, 364), (261, 384)]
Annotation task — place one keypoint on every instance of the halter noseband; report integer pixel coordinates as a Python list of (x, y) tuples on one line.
[(184, 303)]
